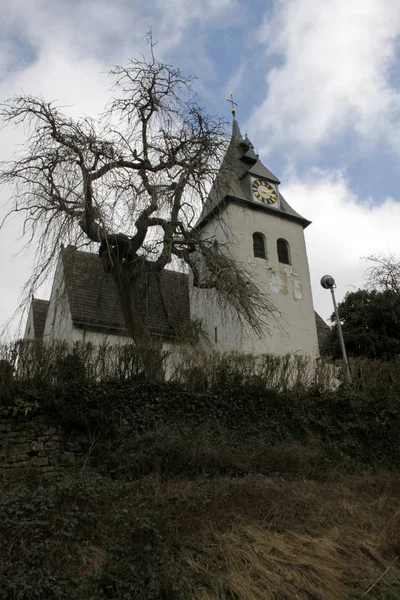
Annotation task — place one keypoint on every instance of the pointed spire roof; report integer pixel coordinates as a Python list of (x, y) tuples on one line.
[(235, 129), (233, 182)]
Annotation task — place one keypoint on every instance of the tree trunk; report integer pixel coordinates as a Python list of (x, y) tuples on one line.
[(149, 348)]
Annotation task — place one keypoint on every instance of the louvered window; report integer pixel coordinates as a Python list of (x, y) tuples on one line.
[(259, 246), (283, 251)]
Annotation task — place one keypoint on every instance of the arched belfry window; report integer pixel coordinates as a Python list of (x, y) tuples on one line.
[(283, 251), (259, 246)]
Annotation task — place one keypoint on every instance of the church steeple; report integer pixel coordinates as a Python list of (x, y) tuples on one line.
[(246, 216), (244, 179)]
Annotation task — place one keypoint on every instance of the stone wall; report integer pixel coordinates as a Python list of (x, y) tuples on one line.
[(33, 445)]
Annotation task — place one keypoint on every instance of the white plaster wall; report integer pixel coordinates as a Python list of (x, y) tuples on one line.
[(97, 338), (288, 287), (30, 328), (58, 324)]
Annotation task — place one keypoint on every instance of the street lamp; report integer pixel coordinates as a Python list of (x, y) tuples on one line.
[(328, 283)]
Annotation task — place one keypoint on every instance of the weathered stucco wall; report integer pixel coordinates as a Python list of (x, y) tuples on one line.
[(32, 445), (288, 286)]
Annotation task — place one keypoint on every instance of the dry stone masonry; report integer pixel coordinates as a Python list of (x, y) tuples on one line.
[(32, 445)]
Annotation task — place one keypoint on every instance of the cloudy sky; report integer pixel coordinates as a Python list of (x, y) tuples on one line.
[(318, 87)]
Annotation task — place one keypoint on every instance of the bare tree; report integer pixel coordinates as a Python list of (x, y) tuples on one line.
[(383, 274), (133, 182)]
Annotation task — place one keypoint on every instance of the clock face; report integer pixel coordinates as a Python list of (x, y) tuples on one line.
[(263, 191)]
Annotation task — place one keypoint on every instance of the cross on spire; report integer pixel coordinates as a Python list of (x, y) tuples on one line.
[(233, 109)]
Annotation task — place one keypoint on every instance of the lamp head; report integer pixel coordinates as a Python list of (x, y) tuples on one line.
[(328, 282)]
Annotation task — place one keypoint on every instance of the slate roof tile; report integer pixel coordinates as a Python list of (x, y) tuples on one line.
[(39, 309), (94, 300), (323, 332)]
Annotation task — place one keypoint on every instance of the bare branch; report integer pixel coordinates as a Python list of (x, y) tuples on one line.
[(383, 274)]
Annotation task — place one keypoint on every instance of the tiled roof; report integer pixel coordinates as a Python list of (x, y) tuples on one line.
[(323, 331), (39, 310), (94, 300)]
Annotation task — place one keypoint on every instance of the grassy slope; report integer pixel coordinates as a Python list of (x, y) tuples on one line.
[(203, 537), (235, 493)]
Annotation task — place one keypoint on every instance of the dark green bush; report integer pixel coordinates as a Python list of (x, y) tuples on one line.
[(346, 423), (77, 540)]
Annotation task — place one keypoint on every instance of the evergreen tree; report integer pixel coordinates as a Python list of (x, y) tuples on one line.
[(371, 325)]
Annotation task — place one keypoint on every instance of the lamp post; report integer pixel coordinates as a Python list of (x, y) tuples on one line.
[(328, 283)]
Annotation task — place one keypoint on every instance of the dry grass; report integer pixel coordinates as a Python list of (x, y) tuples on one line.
[(251, 563), (256, 538), (226, 538), (390, 540), (93, 560)]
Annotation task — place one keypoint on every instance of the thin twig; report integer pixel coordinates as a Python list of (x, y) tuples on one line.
[(379, 578)]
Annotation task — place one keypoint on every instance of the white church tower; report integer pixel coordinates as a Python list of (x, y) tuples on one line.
[(247, 213)]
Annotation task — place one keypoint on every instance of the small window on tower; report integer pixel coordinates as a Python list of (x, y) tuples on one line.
[(259, 246), (283, 251)]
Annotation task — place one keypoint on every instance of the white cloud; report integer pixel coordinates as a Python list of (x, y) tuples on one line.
[(178, 14), (335, 74), (344, 228), (76, 28), (236, 79)]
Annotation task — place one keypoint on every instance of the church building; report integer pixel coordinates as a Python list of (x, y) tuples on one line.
[(246, 213)]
